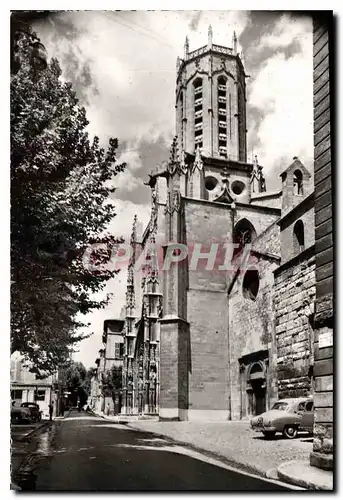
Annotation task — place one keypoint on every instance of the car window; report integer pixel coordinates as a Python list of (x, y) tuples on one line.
[(280, 406), (301, 406), (309, 406)]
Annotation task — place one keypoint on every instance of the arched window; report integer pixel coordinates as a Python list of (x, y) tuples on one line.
[(298, 237), (243, 234), (256, 371), (298, 183), (198, 113), (222, 116)]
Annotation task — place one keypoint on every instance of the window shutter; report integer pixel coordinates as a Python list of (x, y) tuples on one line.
[(117, 350)]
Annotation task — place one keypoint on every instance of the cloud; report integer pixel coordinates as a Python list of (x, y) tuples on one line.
[(288, 29), (280, 100), (130, 58), (194, 23)]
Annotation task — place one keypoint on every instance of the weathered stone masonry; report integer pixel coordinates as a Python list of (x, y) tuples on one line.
[(294, 294), (323, 64)]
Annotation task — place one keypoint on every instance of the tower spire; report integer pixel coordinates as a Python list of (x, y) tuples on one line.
[(234, 43), (186, 47), (210, 35)]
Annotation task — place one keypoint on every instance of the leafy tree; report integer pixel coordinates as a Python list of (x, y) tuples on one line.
[(88, 380), (75, 382), (60, 192), (112, 382)]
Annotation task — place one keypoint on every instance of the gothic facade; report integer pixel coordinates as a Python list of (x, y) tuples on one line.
[(208, 334)]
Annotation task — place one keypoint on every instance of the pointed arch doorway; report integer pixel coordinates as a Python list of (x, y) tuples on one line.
[(256, 388)]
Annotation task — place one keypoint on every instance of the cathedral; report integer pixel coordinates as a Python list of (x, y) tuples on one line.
[(205, 341)]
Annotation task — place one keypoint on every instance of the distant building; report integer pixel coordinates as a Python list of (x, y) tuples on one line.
[(25, 387), (111, 355)]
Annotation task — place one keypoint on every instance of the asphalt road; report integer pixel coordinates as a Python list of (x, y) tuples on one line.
[(83, 453)]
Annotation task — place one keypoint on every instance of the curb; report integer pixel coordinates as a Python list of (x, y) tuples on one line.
[(33, 431), (308, 484)]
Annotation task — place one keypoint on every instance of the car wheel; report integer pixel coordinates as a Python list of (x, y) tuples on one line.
[(269, 434), (290, 432)]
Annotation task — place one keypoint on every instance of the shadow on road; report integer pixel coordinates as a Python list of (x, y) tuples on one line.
[(97, 455)]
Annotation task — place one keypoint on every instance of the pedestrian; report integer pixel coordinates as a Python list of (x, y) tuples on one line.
[(51, 410)]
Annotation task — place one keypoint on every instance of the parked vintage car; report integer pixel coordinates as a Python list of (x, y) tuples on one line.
[(20, 415), (287, 416), (36, 414)]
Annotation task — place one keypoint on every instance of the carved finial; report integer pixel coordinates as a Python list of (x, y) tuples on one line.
[(198, 163), (225, 175), (186, 47), (174, 157), (134, 230), (255, 161), (130, 277), (234, 43), (242, 57), (210, 35), (173, 151), (183, 164)]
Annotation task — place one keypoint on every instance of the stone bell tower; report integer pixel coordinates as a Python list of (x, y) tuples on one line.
[(211, 124), (210, 101)]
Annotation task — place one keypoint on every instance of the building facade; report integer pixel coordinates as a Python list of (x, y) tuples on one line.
[(111, 355), (207, 335), (26, 387)]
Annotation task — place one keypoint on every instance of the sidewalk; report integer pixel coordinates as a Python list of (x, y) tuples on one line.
[(22, 432), (125, 419), (301, 473), (23, 444), (238, 445)]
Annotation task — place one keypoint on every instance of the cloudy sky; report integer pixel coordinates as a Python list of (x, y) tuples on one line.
[(123, 66)]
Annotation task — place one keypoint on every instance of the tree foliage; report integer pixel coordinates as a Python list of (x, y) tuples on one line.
[(112, 381), (77, 382), (60, 187)]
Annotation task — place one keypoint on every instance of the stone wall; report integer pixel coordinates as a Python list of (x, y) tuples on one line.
[(207, 339), (322, 455), (206, 223), (208, 358), (260, 217), (268, 241), (306, 215), (251, 326), (265, 200), (294, 298)]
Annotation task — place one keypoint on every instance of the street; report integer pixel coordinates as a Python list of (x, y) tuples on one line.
[(87, 453)]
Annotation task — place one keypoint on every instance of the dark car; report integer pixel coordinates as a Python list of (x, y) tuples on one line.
[(20, 415), (35, 413)]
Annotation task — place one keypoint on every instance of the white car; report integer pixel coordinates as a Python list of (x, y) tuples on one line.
[(287, 416)]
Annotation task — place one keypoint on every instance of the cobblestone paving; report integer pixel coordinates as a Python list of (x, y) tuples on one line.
[(235, 441)]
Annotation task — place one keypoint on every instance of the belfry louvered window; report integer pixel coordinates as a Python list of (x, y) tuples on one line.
[(222, 116), (198, 113)]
